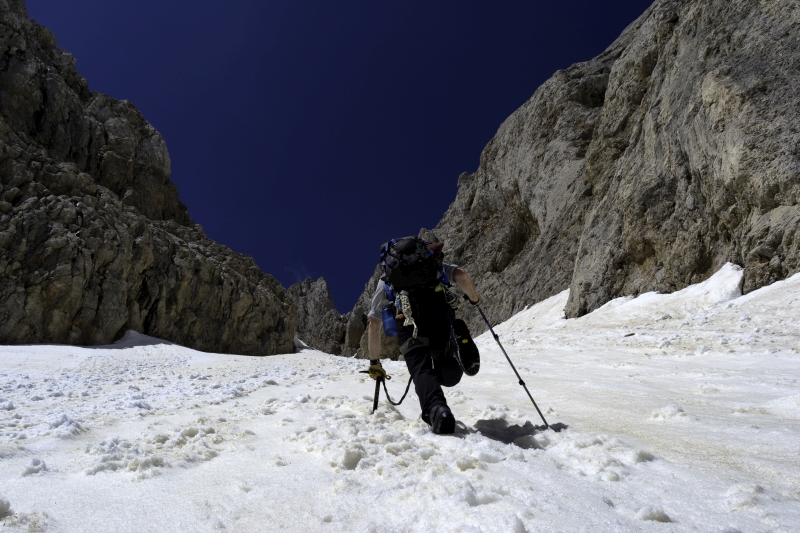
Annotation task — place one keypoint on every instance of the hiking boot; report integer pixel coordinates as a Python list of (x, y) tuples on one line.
[(468, 356), (441, 420)]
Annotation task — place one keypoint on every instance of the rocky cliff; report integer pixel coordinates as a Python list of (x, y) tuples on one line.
[(645, 169), (93, 238), (319, 324)]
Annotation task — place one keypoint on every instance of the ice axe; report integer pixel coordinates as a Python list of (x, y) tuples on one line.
[(377, 394), (377, 390)]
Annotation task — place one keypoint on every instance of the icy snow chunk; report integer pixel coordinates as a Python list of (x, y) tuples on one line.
[(36, 521), (466, 463), (351, 457), (671, 411), (277, 461), (744, 495), (426, 453), (5, 505), (6, 405), (640, 456), (36, 398), (229, 393), (121, 455), (786, 406), (474, 499), (34, 467), (667, 341), (702, 348), (396, 448), (153, 451), (64, 425), (488, 457), (748, 409), (489, 412), (654, 514)]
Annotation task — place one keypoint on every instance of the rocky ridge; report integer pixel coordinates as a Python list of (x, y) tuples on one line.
[(319, 324), (644, 169), (93, 238)]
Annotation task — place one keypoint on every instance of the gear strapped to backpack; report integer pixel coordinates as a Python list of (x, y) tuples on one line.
[(409, 263)]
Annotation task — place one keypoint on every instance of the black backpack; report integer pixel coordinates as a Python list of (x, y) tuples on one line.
[(409, 264)]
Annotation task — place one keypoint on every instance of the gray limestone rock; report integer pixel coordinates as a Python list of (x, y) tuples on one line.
[(93, 238), (644, 169), (319, 324), (695, 159)]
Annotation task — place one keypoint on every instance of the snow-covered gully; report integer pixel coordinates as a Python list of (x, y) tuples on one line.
[(683, 414)]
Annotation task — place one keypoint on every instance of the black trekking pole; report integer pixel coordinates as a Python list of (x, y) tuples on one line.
[(546, 425)]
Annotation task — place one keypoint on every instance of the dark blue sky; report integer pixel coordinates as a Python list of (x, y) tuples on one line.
[(307, 133)]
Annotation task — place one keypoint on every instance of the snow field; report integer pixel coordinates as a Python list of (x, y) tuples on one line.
[(682, 414)]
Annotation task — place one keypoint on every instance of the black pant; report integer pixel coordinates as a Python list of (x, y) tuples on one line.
[(432, 366), (429, 376)]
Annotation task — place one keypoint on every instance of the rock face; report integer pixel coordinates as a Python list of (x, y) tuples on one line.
[(322, 327), (93, 238), (644, 169), (695, 158), (319, 324)]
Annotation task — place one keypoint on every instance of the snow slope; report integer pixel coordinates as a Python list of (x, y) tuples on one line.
[(683, 414)]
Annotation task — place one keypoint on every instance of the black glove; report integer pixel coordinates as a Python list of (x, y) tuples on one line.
[(376, 371), (479, 301)]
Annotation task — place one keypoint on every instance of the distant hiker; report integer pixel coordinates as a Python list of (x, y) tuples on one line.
[(412, 300)]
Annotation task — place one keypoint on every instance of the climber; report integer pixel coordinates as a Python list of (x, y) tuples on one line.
[(437, 347)]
